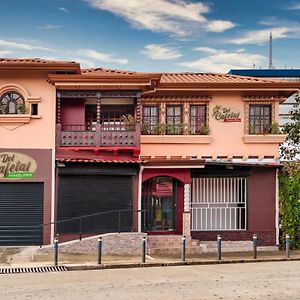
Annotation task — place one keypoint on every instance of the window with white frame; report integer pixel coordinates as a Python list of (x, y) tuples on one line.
[(219, 203)]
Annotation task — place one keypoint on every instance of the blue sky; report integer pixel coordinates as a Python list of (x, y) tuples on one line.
[(153, 35)]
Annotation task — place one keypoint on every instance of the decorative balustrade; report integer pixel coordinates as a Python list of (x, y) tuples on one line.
[(98, 135)]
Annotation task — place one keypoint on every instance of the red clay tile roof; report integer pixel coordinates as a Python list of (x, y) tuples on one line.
[(102, 71), (169, 78), (209, 78), (38, 64), (33, 61)]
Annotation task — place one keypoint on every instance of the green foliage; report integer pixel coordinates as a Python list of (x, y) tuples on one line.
[(173, 129), (3, 108), (129, 121), (289, 181), (274, 128), (291, 148), (21, 108)]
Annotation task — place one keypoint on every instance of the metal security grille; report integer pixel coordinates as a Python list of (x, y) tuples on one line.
[(219, 204), (21, 211)]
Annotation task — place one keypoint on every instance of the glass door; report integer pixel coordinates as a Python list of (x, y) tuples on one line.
[(159, 203)]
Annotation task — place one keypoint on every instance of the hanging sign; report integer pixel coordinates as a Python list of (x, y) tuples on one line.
[(226, 114), (16, 166)]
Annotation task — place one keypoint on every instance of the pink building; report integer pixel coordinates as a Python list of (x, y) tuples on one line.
[(168, 154)]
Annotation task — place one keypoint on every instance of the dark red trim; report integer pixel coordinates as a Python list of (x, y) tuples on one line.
[(182, 175), (115, 150)]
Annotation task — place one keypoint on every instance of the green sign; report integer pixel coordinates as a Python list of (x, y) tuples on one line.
[(19, 175)]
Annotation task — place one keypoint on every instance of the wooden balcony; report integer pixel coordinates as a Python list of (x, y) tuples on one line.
[(100, 135)]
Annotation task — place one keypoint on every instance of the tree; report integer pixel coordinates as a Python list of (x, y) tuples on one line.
[(290, 150), (289, 180)]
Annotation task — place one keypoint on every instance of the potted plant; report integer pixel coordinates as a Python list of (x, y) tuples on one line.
[(204, 130), (160, 129), (129, 121), (3, 108), (274, 128), (21, 108)]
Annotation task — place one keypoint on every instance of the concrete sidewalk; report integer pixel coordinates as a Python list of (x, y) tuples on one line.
[(28, 257)]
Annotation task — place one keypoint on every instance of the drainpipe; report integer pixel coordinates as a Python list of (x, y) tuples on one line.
[(277, 208), (140, 199), (53, 184)]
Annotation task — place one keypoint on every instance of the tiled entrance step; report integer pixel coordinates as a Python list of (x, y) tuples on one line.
[(171, 245)]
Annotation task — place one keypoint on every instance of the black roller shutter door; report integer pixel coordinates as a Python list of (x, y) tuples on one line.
[(85, 194), (21, 210)]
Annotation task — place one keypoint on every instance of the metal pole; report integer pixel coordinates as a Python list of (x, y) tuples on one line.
[(144, 218), (254, 246), (55, 251), (80, 229), (219, 247), (183, 248), (144, 249), (287, 246), (119, 215), (41, 236), (99, 250)]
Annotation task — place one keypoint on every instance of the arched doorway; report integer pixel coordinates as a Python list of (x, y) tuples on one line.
[(159, 203)]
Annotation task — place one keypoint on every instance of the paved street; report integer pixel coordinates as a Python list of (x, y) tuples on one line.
[(277, 280)]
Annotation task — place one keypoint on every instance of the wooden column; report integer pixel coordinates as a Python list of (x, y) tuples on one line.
[(138, 121), (58, 119), (98, 138)]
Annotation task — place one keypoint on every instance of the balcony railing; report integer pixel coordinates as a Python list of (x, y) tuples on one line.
[(98, 135), (174, 129)]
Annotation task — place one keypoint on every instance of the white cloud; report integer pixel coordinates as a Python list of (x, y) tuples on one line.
[(263, 35), (293, 6), (160, 52), (222, 61), (4, 52), (50, 27), (103, 57), (63, 9), (219, 25), (85, 63), (23, 46), (205, 49), (172, 16)]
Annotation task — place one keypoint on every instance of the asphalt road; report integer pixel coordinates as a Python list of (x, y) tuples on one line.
[(277, 280)]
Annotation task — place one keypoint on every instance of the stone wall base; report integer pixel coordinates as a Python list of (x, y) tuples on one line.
[(112, 243), (171, 245), (265, 238)]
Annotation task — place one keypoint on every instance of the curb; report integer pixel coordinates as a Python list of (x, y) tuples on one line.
[(172, 264)]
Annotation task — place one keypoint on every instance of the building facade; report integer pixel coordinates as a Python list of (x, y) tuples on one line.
[(167, 154), (290, 103)]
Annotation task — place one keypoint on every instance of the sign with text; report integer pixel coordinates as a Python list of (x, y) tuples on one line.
[(15, 165), (226, 114)]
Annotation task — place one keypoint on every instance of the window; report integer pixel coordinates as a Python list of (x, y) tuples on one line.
[(34, 109), (150, 119), (12, 103), (197, 119), (219, 203), (112, 117), (174, 119), (260, 118)]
